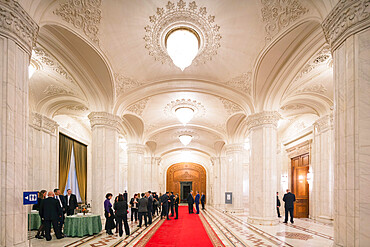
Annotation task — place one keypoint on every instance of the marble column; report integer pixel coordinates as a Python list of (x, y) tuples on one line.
[(136, 163), (18, 34), (262, 167), (347, 29), (217, 195), (322, 170), (234, 176), (43, 166), (105, 132)]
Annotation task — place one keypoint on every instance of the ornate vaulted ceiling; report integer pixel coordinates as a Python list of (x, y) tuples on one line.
[(256, 55)]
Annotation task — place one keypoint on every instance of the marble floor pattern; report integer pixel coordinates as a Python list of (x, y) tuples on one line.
[(232, 229)]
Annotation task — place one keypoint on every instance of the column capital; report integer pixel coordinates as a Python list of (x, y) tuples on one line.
[(324, 123), (16, 24), (135, 148), (263, 118), (346, 18), (43, 123), (235, 147), (105, 119)]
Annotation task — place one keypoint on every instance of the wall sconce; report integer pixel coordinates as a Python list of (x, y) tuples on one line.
[(300, 178)]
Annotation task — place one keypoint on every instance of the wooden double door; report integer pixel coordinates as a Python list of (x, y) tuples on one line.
[(300, 186)]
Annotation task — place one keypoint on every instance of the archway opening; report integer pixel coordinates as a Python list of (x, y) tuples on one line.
[(184, 177)]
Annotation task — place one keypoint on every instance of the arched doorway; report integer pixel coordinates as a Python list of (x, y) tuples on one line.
[(184, 177)]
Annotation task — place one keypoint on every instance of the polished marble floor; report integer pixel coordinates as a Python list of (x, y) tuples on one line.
[(232, 229)]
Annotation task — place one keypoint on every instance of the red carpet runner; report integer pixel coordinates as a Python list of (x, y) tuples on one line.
[(188, 230)]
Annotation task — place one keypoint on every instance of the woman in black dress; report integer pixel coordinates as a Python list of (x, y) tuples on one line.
[(109, 215), (121, 208)]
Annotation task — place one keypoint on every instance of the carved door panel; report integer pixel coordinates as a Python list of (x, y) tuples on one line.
[(300, 186)]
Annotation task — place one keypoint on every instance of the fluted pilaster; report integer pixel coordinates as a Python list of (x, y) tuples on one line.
[(234, 176), (43, 147), (136, 164)]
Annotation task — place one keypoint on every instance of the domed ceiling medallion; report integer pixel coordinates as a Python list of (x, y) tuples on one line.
[(197, 107), (182, 15)]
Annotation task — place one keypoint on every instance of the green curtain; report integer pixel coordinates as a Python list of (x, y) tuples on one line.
[(80, 152), (65, 150)]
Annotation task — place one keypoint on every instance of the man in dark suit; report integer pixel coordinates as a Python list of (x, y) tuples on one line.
[(190, 202), (143, 210), (125, 196), (172, 202), (62, 202), (197, 199), (203, 200), (165, 199), (50, 211), (150, 206), (71, 201), (289, 199), (278, 204)]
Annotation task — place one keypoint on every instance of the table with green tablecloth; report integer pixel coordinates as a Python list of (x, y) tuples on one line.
[(82, 225), (34, 220)]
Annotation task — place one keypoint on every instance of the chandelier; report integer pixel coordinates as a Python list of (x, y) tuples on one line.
[(185, 139), (184, 114), (182, 46)]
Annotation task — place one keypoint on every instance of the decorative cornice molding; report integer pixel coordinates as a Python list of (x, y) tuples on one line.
[(105, 119), (263, 118), (43, 123), (16, 24), (279, 14), (83, 14), (138, 107), (135, 148), (348, 17), (324, 123), (241, 82), (182, 14), (234, 148), (48, 60), (297, 150), (230, 106)]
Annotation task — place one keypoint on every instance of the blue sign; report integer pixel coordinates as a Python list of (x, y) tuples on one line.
[(30, 197)]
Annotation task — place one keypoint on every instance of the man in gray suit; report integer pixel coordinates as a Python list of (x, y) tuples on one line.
[(143, 210)]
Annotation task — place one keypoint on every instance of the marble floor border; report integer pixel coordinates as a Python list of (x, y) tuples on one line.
[(256, 238), (210, 232), (266, 235), (229, 236)]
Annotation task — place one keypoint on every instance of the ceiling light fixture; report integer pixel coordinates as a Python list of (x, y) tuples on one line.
[(185, 139), (182, 46), (184, 114)]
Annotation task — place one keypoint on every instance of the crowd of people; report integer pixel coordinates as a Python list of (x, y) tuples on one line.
[(52, 207)]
